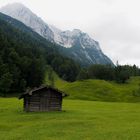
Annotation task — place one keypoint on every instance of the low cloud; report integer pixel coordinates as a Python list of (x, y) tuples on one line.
[(119, 38)]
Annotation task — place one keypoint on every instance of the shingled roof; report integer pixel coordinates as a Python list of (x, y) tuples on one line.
[(31, 91)]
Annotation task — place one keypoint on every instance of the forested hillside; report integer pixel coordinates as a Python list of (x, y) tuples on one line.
[(24, 55)]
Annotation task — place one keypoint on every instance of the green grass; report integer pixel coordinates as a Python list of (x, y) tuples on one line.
[(58, 82), (81, 120)]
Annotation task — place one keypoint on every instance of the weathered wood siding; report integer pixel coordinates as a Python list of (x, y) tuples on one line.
[(43, 100)]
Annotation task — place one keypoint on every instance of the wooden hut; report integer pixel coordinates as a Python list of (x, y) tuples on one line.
[(44, 98)]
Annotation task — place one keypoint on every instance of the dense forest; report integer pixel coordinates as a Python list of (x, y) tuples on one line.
[(24, 56), (118, 73)]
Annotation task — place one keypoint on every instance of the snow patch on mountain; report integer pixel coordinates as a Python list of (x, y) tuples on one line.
[(25, 15), (68, 38)]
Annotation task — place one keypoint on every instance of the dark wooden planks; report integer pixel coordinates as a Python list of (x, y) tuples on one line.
[(43, 100)]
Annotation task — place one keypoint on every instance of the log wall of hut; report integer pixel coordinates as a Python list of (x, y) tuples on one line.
[(43, 100)]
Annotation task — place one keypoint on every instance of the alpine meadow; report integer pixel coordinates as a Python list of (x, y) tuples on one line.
[(63, 84)]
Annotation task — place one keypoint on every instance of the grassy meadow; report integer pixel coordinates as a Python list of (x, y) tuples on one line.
[(80, 120), (95, 110)]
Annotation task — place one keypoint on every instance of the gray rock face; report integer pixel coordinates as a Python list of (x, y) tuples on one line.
[(79, 45)]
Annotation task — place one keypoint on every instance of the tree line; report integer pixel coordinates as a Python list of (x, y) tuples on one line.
[(117, 73)]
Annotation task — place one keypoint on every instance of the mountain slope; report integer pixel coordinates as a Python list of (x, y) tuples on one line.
[(24, 55), (23, 14), (78, 45)]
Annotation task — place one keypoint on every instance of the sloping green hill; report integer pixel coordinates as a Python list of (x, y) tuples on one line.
[(58, 82), (100, 90)]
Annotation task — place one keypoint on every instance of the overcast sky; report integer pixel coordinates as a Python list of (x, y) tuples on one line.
[(114, 23)]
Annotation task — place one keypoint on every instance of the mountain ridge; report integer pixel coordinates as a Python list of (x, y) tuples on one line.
[(80, 46)]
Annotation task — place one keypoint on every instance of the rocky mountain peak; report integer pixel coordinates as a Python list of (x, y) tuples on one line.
[(25, 15), (15, 9), (80, 45)]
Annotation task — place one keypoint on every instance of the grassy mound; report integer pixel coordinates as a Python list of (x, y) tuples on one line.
[(100, 90)]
